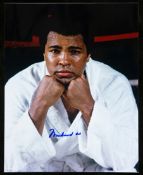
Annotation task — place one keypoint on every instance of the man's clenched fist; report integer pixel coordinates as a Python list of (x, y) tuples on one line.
[(47, 93), (78, 95)]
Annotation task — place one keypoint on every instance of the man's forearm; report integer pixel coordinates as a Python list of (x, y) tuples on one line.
[(37, 113), (87, 112)]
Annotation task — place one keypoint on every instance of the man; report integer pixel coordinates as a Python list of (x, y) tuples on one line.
[(70, 113)]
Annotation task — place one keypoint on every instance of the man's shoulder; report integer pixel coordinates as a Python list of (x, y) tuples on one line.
[(103, 69), (104, 75), (34, 72)]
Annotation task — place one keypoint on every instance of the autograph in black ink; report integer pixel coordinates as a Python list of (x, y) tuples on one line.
[(54, 134)]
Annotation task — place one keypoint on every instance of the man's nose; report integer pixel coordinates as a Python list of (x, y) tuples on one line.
[(64, 59)]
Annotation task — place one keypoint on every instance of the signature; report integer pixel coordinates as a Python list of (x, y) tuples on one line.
[(63, 134)]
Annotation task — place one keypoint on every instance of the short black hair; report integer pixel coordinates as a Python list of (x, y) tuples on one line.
[(68, 20)]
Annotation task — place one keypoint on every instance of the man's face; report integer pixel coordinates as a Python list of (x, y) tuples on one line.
[(65, 56)]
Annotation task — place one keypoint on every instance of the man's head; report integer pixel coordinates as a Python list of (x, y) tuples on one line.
[(66, 48), (65, 56)]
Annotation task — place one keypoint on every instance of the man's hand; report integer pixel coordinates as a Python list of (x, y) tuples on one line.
[(79, 96), (47, 93)]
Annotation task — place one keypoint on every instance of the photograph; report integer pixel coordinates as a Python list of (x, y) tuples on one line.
[(71, 77)]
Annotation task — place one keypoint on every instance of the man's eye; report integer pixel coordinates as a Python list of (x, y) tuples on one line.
[(75, 52), (55, 51)]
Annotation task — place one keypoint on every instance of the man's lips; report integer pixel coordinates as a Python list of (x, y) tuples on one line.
[(64, 74)]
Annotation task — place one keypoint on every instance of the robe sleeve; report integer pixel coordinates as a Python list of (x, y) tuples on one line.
[(111, 138), (24, 147)]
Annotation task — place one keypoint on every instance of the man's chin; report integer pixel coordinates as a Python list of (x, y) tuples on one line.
[(65, 81)]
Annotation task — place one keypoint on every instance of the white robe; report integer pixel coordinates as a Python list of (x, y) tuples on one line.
[(108, 144)]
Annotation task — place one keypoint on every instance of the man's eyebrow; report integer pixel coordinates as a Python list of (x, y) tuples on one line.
[(55, 47), (75, 47), (59, 47)]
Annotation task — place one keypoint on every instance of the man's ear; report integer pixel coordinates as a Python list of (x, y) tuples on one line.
[(44, 52), (88, 57), (44, 56)]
